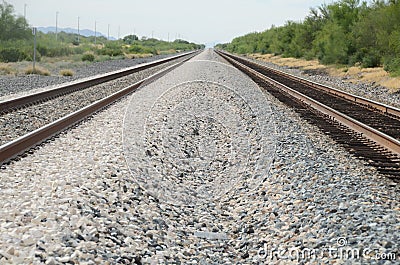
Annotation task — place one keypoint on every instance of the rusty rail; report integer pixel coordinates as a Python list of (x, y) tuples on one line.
[(63, 89), (364, 101), (377, 148), (380, 138), (18, 146)]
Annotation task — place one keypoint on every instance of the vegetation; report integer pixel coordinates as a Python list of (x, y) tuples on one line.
[(66, 72), (88, 57), (16, 43), (347, 32), (37, 71)]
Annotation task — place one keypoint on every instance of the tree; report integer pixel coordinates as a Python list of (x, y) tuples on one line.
[(331, 44), (345, 32), (130, 39), (12, 27)]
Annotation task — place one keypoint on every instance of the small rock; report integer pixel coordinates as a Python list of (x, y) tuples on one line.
[(50, 261)]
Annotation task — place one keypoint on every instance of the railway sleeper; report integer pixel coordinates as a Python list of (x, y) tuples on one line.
[(346, 106), (355, 143)]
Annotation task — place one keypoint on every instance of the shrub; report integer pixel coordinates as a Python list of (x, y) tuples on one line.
[(66, 72), (367, 58), (43, 50), (37, 71), (88, 57), (392, 65), (59, 51), (75, 42), (111, 49), (141, 49), (370, 60), (12, 55)]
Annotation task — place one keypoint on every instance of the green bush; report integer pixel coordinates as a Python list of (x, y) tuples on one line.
[(75, 42), (370, 60), (366, 58), (140, 49), (111, 49), (88, 57), (59, 51), (12, 55), (344, 32), (42, 49), (130, 39), (392, 65)]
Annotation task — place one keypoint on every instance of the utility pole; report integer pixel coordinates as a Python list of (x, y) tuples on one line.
[(78, 31), (95, 32), (25, 15), (56, 25), (168, 36), (34, 30)]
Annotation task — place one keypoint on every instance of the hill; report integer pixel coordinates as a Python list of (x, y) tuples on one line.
[(82, 32)]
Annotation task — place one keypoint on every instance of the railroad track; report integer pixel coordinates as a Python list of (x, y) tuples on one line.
[(367, 129), (22, 144)]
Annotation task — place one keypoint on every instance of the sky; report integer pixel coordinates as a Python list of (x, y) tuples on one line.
[(202, 21)]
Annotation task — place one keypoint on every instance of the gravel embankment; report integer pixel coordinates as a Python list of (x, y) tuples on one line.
[(20, 122), (16, 84), (76, 201), (366, 90)]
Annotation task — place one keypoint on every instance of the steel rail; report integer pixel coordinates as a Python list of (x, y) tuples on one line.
[(364, 101), (63, 89), (378, 137), (20, 145)]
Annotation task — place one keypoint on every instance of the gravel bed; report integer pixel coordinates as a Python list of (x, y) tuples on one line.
[(20, 122), (79, 200), (367, 90), (16, 84)]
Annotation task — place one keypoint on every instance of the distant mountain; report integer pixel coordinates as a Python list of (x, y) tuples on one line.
[(83, 32)]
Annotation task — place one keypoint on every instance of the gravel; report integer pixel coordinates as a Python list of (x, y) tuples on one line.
[(16, 84), (81, 199), (367, 90)]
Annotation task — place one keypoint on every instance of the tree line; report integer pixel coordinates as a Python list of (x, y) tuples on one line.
[(346, 32), (16, 42)]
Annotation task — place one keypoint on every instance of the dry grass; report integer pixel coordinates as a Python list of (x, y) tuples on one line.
[(5, 69), (67, 72), (37, 71), (290, 62), (368, 75), (136, 55), (393, 83), (170, 51), (353, 74)]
